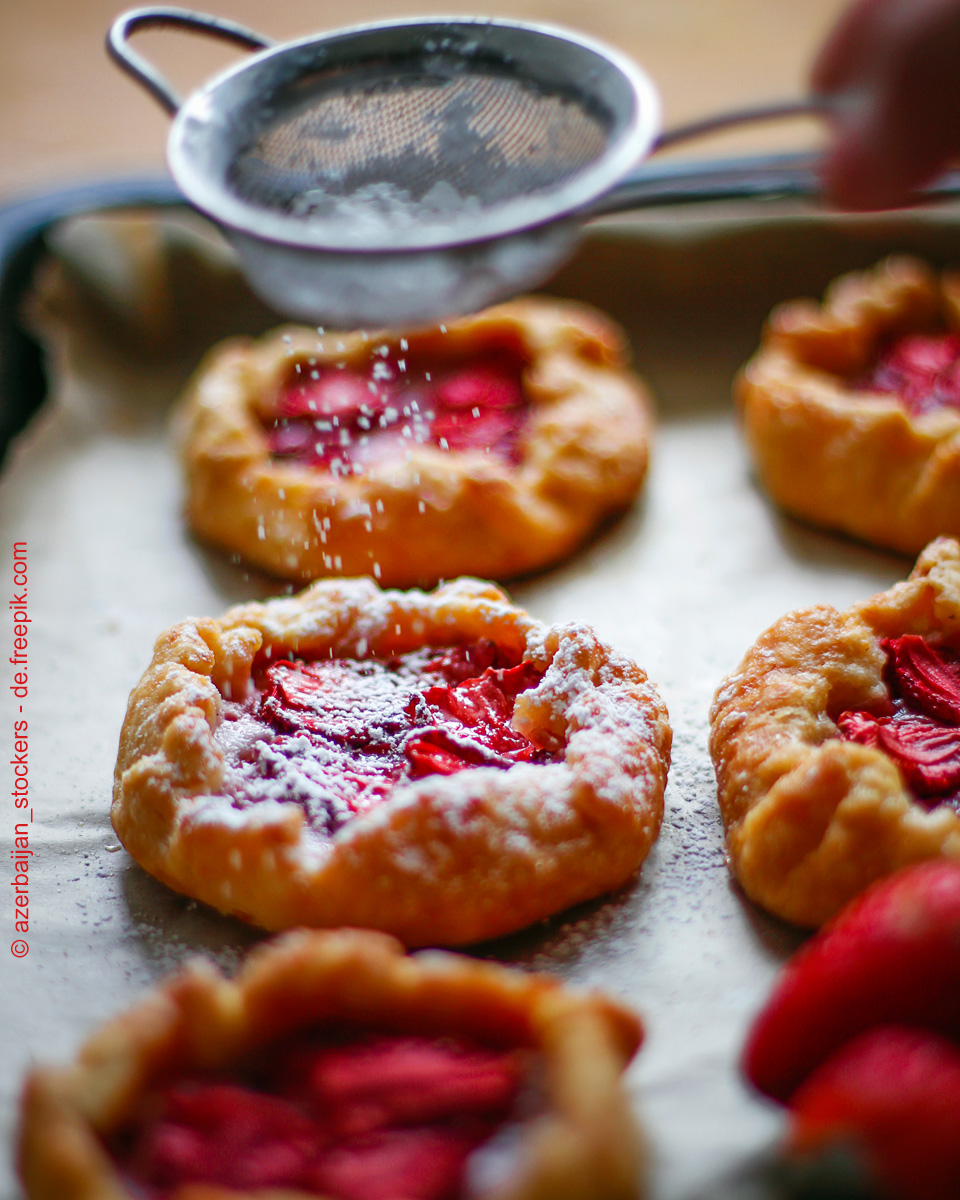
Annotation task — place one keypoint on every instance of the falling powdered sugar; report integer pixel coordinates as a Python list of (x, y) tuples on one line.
[(382, 208)]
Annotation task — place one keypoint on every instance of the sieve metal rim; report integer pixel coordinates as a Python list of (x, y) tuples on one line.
[(200, 114)]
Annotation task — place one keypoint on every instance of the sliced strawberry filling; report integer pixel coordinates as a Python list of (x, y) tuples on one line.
[(341, 420), (364, 1118), (921, 370), (921, 732), (336, 735)]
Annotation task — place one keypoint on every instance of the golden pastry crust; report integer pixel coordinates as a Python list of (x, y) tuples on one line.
[(812, 819), (431, 514), (585, 1144), (443, 860), (847, 459)]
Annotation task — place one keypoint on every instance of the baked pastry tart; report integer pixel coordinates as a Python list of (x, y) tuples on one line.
[(851, 409), (439, 766), (492, 446), (334, 1066), (836, 744)]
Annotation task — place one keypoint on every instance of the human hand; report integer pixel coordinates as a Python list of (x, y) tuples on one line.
[(891, 70)]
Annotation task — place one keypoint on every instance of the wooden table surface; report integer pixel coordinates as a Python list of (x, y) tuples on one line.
[(66, 113)]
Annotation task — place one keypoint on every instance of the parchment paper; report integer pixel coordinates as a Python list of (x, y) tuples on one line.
[(684, 582)]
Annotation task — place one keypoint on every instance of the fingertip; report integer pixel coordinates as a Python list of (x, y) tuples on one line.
[(828, 71), (855, 182), (846, 180), (847, 49), (878, 160)]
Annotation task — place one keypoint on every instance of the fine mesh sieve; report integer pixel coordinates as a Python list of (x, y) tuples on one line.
[(451, 147), (397, 173)]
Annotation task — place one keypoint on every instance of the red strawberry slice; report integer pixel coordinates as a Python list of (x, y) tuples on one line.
[(921, 355), (487, 430), (483, 705), (894, 1093), (227, 1134), (922, 733), (342, 420), (398, 1164), (376, 1117), (335, 394), (427, 756), (382, 1081), (480, 387), (927, 678), (467, 662), (921, 370), (441, 752), (892, 956), (345, 731), (519, 679), (476, 702), (927, 752), (485, 700), (338, 701)]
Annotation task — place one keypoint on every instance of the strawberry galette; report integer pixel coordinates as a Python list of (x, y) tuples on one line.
[(492, 446), (440, 766), (836, 744), (852, 409), (335, 1066)]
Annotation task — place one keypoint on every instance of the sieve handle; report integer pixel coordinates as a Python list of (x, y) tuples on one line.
[(765, 176), (150, 18), (804, 106)]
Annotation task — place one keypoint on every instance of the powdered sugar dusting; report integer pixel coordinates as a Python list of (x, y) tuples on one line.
[(595, 704), (334, 736)]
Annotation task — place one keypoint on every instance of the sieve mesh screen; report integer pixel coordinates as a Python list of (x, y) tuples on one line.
[(451, 143)]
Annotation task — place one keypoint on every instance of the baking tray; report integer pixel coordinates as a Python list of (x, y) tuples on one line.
[(683, 582)]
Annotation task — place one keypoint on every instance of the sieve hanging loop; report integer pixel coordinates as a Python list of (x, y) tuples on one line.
[(160, 17)]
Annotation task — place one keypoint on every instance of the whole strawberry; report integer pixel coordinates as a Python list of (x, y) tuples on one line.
[(891, 957), (893, 1095)]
